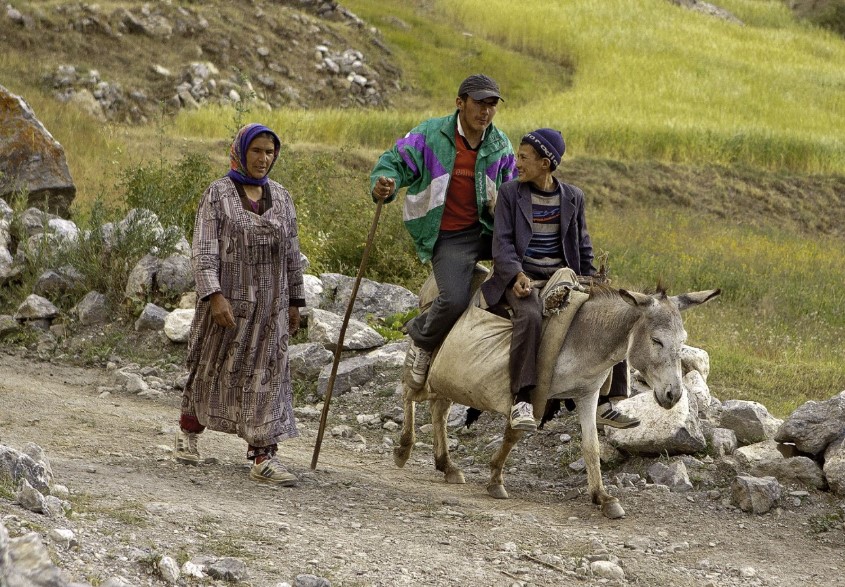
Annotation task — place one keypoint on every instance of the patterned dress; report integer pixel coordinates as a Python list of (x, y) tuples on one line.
[(239, 380)]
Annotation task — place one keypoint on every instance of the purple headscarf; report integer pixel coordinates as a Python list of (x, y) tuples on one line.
[(237, 154)]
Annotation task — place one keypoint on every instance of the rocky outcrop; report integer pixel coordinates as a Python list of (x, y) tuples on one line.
[(31, 160)]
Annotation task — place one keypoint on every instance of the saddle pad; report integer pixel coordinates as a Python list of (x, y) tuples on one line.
[(471, 366)]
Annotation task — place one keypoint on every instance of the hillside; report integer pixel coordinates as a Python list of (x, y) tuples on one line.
[(744, 192)]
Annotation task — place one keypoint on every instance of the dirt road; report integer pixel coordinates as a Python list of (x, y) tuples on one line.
[(360, 521)]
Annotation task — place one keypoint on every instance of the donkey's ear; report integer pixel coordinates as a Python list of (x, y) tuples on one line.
[(636, 298), (695, 298)]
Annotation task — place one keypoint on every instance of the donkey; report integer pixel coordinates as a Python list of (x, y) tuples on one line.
[(610, 326)]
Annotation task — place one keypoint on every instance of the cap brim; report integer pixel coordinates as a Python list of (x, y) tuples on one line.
[(484, 94)]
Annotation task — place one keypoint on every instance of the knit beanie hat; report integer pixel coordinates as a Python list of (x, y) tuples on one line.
[(548, 142)]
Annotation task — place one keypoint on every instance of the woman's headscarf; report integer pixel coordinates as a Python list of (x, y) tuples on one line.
[(237, 155)]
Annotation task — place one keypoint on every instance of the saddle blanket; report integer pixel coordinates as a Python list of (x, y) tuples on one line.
[(472, 363)]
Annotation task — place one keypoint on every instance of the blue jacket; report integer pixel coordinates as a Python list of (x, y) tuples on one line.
[(512, 231)]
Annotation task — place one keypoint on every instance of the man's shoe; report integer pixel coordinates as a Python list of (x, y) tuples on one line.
[(185, 448), (417, 361), (607, 415), (272, 471), (522, 417)]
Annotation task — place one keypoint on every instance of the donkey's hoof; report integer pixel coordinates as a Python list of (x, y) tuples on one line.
[(613, 510), (497, 491), (400, 455), (456, 477)]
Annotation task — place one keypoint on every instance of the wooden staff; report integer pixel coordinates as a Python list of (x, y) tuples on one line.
[(339, 348)]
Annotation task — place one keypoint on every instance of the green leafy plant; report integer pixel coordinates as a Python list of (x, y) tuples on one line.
[(392, 327)]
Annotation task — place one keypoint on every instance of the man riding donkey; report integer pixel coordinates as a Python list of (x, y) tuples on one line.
[(453, 167)]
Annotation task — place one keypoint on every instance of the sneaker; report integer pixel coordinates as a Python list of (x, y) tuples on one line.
[(417, 361), (272, 471), (185, 448), (522, 417), (607, 415)]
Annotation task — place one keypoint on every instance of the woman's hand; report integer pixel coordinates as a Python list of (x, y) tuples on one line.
[(293, 320), (221, 311), (522, 286)]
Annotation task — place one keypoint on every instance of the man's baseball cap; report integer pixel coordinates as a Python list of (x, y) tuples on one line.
[(479, 87)]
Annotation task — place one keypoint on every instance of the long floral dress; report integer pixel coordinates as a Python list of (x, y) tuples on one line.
[(239, 380)]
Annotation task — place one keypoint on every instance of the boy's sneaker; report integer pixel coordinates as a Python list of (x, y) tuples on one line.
[(417, 361), (185, 448), (272, 471), (522, 417), (607, 415)]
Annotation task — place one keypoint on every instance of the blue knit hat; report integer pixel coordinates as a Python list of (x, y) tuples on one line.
[(548, 143)]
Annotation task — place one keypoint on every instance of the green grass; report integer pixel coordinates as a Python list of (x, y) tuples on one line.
[(654, 81)]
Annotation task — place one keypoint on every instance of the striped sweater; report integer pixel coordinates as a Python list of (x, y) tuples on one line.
[(423, 161)]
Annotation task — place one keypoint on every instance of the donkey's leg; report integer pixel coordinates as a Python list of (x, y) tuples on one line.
[(496, 485), (591, 450), (439, 415), (406, 439)]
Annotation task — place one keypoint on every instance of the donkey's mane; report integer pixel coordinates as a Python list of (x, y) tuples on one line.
[(605, 291), (602, 291)]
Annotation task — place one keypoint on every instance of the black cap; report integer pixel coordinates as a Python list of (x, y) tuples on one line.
[(479, 87)]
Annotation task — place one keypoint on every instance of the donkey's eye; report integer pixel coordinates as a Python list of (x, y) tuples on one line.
[(657, 342)]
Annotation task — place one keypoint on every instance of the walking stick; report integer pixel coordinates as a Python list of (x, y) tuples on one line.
[(339, 348)]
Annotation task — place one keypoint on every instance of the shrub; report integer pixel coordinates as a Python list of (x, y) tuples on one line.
[(171, 191)]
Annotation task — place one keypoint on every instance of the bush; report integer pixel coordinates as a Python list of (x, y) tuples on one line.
[(335, 213), (172, 192)]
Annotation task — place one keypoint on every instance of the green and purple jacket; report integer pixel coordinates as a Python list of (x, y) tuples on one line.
[(423, 161)]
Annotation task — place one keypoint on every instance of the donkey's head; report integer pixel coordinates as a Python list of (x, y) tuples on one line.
[(655, 342)]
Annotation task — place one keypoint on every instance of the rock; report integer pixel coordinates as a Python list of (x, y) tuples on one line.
[(228, 569), (30, 498), (755, 495), (814, 425), (34, 307), (139, 285), (389, 356), (175, 275), (313, 292), (31, 160), (177, 325), (63, 537), (708, 9), (8, 325), (723, 441), (661, 431), (834, 465), (324, 327), (699, 393), (311, 581), (378, 299), (168, 569), (152, 318), (674, 476), (17, 466), (607, 570), (92, 309), (308, 360), (750, 421), (693, 359), (25, 561), (350, 373)]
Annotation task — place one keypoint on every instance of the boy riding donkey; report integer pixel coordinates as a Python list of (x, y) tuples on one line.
[(540, 227)]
